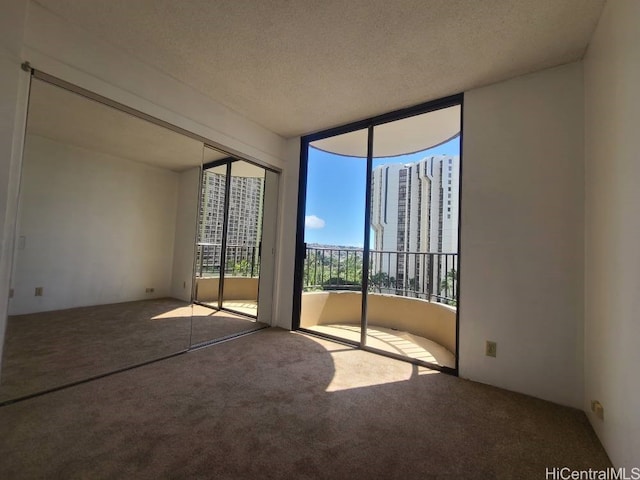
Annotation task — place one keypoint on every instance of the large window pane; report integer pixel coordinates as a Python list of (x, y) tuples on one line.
[(334, 237), (414, 239), (244, 236)]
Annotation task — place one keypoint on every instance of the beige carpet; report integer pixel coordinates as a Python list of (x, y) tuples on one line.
[(210, 324), (49, 349), (283, 405)]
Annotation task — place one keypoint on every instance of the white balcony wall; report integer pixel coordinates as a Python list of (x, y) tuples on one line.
[(94, 228), (522, 248), (612, 268)]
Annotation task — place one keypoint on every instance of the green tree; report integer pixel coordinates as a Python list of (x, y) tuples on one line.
[(379, 281), (447, 285), (242, 268)]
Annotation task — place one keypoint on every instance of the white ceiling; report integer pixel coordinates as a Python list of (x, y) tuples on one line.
[(70, 118), (299, 66)]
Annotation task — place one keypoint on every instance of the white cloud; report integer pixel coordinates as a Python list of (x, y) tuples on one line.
[(311, 221)]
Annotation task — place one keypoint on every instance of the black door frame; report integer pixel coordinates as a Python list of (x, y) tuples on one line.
[(369, 124), (227, 162)]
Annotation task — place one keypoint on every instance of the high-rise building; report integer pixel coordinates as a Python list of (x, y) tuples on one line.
[(414, 210), (245, 210), (244, 229), (212, 208)]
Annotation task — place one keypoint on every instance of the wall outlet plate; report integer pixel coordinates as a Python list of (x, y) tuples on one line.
[(490, 349)]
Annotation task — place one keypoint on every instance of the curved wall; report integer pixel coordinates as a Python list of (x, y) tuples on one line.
[(431, 320), (235, 288)]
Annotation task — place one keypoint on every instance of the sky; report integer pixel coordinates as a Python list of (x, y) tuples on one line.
[(336, 187)]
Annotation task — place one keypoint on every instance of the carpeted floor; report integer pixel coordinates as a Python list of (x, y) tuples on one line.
[(276, 404), (49, 349), (209, 324)]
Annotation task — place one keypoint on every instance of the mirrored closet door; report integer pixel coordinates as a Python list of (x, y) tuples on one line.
[(105, 247), (231, 281), (135, 241)]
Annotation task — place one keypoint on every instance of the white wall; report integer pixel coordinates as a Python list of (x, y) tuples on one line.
[(612, 230), (266, 289), (521, 235), (185, 234), (97, 229), (13, 95), (288, 203)]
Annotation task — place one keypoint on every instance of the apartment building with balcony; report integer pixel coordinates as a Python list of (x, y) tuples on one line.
[(415, 209), (245, 210)]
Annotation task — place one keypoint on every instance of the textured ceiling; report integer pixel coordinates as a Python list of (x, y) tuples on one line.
[(298, 66)]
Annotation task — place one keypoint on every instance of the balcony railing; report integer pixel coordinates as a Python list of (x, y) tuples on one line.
[(240, 260), (429, 276)]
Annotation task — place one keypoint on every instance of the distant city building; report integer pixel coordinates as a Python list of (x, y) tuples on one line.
[(414, 209), (245, 210), (212, 208)]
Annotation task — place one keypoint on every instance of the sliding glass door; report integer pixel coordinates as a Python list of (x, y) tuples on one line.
[(211, 232), (379, 263), (414, 248), (229, 257), (334, 227), (243, 240)]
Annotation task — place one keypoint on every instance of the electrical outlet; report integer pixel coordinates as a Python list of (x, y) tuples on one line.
[(598, 409), (149, 290), (39, 291), (490, 349), (184, 284)]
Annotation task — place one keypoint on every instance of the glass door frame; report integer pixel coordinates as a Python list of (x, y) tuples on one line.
[(228, 162), (300, 254)]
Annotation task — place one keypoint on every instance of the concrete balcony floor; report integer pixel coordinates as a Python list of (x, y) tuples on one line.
[(394, 341), (247, 307)]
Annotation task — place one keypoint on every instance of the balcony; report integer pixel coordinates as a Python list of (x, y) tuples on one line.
[(240, 260), (241, 276), (411, 306), (411, 295)]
